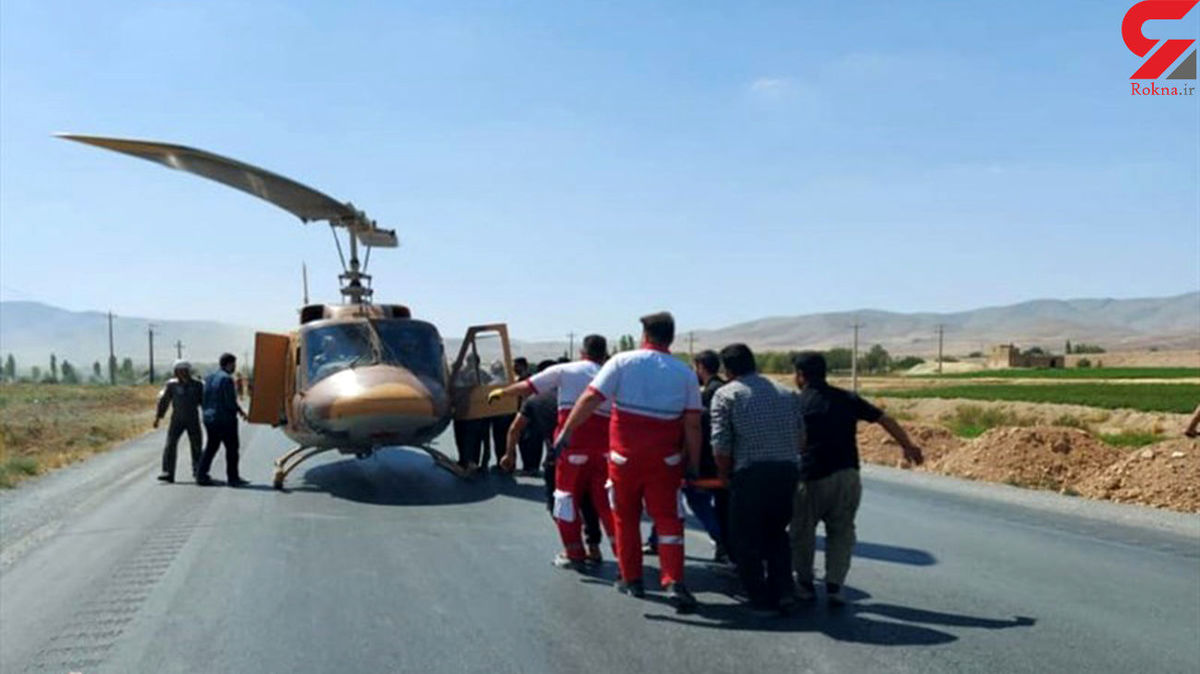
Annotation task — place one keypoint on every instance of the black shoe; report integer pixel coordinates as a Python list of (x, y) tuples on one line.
[(633, 588), (679, 596), (788, 605), (204, 480), (834, 595), (238, 482), (650, 548), (720, 556), (166, 477)]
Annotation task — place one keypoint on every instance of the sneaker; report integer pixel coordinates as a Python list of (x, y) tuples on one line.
[(238, 482), (679, 596), (650, 548), (633, 588), (166, 477), (593, 555), (834, 595), (562, 561)]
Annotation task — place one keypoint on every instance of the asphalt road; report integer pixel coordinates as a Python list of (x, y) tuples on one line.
[(390, 564)]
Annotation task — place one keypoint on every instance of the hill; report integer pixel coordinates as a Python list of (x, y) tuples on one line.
[(32, 331), (1164, 323)]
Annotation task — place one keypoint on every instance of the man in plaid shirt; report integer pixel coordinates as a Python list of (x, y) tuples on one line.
[(756, 431)]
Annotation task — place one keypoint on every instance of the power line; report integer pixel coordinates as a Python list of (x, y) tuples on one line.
[(941, 329), (854, 359)]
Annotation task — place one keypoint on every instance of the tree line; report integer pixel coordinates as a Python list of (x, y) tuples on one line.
[(66, 372)]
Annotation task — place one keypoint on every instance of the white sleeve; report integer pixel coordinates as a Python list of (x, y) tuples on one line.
[(608, 379), (546, 380)]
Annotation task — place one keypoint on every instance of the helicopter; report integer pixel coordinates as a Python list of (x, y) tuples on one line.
[(358, 376)]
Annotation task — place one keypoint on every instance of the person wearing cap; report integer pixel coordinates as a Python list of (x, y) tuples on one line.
[(221, 412), (581, 468), (830, 489), (654, 437), (184, 395)]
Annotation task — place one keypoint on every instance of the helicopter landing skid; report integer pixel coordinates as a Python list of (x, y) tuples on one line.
[(288, 462), (442, 461)]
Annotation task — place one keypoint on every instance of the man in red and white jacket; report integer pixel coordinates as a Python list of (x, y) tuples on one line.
[(581, 469), (654, 429)]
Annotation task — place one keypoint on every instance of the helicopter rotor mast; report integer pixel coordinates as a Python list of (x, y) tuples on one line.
[(298, 199)]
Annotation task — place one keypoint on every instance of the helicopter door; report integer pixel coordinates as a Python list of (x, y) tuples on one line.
[(484, 363), (270, 379)]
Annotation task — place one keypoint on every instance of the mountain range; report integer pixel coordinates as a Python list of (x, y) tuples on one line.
[(31, 331)]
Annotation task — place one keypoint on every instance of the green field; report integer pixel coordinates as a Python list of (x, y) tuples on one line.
[(1181, 398), (1075, 373)]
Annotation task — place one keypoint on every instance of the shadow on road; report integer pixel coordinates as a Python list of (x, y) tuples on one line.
[(856, 622), (399, 477)]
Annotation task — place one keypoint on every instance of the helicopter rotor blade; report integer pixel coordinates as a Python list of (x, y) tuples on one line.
[(298, 199)]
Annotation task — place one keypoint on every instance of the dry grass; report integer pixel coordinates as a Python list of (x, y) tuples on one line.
[(46, 426)]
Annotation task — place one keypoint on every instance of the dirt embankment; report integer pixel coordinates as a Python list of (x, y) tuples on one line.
[(1067, 460), (1041, 414), (1165, 475)]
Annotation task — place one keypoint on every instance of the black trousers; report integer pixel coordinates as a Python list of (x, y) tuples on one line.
[(221, 433), (498, 427), (721, 506), (530, 448), (170, 450), (468, 438), (760, 510), (591, 521)]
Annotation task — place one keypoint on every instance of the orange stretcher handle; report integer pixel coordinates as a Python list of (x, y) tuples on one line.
[(709, 483)]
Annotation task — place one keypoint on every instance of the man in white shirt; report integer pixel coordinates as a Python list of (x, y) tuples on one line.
[(581, 468), (654, 430)]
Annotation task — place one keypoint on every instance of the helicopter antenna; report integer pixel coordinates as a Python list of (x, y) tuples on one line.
[(300, 200), (304, 273)]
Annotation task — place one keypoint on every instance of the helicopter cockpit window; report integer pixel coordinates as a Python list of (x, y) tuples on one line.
[(337, 347), (484, 362), (415, 346)]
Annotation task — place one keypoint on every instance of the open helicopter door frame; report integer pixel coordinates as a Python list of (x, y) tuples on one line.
[(469, 391), (268, 397)]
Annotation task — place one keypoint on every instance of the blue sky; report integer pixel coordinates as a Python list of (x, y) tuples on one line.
[(570, 166)]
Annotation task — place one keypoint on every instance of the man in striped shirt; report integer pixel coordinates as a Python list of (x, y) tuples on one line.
[(654, 434)]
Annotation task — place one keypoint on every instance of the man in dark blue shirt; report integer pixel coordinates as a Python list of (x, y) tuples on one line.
[(221, 411)]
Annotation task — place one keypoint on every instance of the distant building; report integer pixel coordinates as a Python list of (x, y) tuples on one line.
[(1008, 355)]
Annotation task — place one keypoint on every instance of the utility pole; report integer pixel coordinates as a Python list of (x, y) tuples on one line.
[(179, 349), (112, 356), (571, 351), (941, 330), (854, 360), (150, 332), (692, 344)]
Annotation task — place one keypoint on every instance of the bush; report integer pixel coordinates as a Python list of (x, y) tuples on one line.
[(1083, 362), (907, 363), (972, 421)]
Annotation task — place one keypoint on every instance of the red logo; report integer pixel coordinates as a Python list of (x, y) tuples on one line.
[(1164, 56)]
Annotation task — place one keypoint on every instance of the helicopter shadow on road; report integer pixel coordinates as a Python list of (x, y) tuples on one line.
[(406, 477)]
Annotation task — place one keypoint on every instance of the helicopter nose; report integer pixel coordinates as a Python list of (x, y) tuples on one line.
[(393, 399), (373, 400)]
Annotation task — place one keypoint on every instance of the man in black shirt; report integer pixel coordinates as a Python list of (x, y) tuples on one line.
[(829, 489)]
